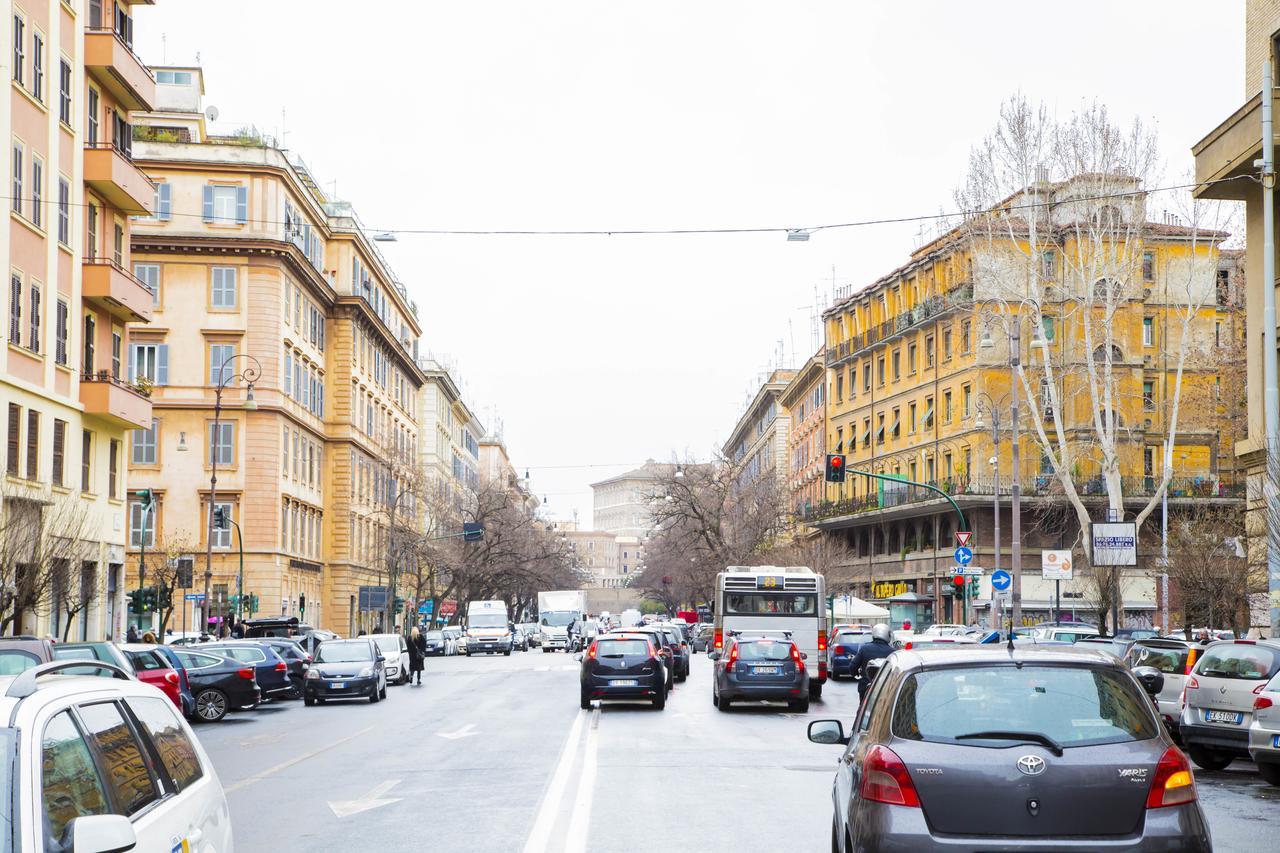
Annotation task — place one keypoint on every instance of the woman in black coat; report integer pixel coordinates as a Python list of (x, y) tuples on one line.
[(417, 654)]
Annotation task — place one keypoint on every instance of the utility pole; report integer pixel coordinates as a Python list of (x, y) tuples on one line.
[(1270, 394), (1015, 488)]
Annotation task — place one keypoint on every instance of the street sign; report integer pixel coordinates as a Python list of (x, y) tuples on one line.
[(964, 556), (968, 571), (1115, 544), (426, 607), (1001, 580), (1055, 565), (1004, 594), (963, 537), (194, 596)]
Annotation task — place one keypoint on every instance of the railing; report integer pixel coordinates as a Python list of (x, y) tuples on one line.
[(111, 379), (126, 43), (929, 308), (111, 262)]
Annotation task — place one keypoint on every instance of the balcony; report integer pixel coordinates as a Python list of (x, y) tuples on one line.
[(114, 290), (111, 62), (111, 398), (111, 174)]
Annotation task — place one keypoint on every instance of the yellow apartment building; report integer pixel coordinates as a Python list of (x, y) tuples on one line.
[(918, 370), (805, 400), (255, 268), (68, 404)]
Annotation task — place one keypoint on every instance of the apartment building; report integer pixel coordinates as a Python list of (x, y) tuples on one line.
[(450, 433), (620, 505), (758, 443), (805, 398), (270, 290), (68, 403)]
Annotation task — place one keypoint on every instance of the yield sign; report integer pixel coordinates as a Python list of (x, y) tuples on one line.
[(963, 537)]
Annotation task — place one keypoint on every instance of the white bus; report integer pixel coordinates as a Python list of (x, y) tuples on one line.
[(776, 598)]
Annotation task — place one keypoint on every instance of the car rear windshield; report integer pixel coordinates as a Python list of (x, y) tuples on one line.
[(389, 645), (1169, 660), (621, 648), (769, 604), (343, 652), (1073, 706), (435, 635), (1237, 660), (763, 650), (852, 638)]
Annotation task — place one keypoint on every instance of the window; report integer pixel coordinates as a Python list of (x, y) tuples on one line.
[(839, 387), (174, 78), (18, 168), (1148, 266), (288, 372), (1048, 264), (113, 469), (1149, 395), (223, 293), (1148, 331), (61, 332), (896, 358), (86, 461), (149, 361), (124, 24), (226, 205), (64, 92), (911, 359), (91, 227), (946, 344), (1217, 333), (928, 351), (149, 275), (15, 309), (946, 407), (70, 786), (222, 535), (177, 753), (880, 371), (965, 336), (19, 47), (141, 523), (219, 370), (144, 444), (222, 443), (37, 191), (133, 790), (896, 427), (117, 346), (34, 339), (164, 202), (90, 335), (64, 212), (117, 245), (14, 443), (37, 66), (91, 131), (33, 444), (966, 398), (911, 419)]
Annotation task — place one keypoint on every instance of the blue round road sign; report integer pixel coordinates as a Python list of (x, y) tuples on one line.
[(964, 556), (1001, 580)]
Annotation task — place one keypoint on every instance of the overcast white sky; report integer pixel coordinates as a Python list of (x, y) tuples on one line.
[(600, 114)]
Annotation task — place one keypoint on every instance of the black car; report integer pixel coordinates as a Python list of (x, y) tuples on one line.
[(270, 669), (623, 666), (218, 684), (760, 668), (436, 644), (295, 657), (346, 669), (683, 651), (702, 636), (668, 648)]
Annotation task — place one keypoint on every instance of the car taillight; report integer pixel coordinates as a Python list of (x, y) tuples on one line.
[(885, 779), (1262, 702), (733, 656), (822, 642), (171, 677), (591, 652), (795, 656), (841, 650), (246, 673), (1192, 684), (908, 645), (719, 642), (282, 667), (1191, 660), (1173, 784)]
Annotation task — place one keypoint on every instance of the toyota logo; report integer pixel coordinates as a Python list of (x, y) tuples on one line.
[(1031, 765)]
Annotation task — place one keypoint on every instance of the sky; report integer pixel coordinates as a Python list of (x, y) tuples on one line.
[(597, 353)]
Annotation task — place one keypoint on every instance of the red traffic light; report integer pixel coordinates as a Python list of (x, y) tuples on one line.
[(837, 461), (959, 580)]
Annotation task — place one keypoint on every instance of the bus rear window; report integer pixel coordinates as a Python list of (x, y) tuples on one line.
[(769, 604)]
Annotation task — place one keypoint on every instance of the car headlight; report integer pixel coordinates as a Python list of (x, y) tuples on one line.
[(313, 674), (366, 672)]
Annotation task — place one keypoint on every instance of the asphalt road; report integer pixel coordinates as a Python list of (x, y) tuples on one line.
[(493, 754)]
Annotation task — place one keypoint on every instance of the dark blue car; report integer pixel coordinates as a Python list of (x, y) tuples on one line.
[(841, 650), (270, 670)]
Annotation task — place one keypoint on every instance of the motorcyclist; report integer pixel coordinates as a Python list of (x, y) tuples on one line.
[(879, 647)]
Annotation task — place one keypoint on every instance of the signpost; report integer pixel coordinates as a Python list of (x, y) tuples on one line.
[(1115, 544), (1001, 582), (1056, 566), (963, 537), (964, 556)]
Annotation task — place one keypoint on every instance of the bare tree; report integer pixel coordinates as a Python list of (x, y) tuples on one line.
[(45, 537), (1208, 567)]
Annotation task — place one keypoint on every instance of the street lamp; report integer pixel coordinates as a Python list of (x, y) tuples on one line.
[(250, 374)]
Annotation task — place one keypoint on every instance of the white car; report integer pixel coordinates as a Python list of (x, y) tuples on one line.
[(396, 651), (943, 629), (60, 731)]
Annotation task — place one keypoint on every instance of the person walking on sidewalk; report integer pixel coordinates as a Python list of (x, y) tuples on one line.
[(417, 653)]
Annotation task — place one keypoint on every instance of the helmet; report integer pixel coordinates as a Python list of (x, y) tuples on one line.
[(880, 632)]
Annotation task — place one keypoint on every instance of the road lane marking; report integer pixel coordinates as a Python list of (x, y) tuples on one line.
[(580, 821), (465, 731), (371, 800), (549, 808), (284, 765)]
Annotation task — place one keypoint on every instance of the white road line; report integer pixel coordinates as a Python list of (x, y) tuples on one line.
[(580, 821), (271, 771), (549, 808)]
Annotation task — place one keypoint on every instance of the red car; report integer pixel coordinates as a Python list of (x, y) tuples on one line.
[(153, 668)]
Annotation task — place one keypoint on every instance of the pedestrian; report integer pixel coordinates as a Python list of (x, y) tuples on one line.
[(417, 654), (149, 638), (879, 647), (131, 636), (237, 631)]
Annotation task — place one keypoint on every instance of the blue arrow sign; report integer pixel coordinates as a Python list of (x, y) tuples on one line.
[(1001, 580), (194, 596), (964, 556)]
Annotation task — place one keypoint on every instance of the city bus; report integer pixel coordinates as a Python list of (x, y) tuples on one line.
[(776, 598)]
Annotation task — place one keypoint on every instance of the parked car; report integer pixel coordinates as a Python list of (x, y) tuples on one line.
[(346, 669), (74, 747), (841, 649), (683, 652), (1040, 731), (154, 668), (532, 635), (396, 652), (1217, 708), (668, 650), (19, 653), (270, 670), (1264, 731), (1063, 633), (1174, 659), (218, 684), (1118, 646), (1132, 634), (519, 640), (104, 652), (295, 657), (703, 636), (761, 669), (451, 634), (943, 629), (436, 643), (623, 665)]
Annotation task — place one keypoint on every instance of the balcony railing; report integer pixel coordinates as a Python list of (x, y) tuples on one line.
[(109, 377), (926, 310)]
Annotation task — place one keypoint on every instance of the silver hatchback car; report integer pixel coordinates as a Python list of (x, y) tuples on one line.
[(1218, 700), (1264, 733), (1060, 745)]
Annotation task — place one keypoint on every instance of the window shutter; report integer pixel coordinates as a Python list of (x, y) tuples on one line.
[(165, 206), (162, 364), (208, 203), (133, 363), (242, 205)]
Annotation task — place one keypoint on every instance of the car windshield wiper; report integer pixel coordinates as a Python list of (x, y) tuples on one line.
[(1034, 737)]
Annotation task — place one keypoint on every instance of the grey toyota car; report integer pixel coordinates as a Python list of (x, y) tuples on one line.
[(986, 748)]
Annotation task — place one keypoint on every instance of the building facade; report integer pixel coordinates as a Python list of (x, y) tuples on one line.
[(261, 279), (68, 403), (806, 401), (449, 446), (620, 505), (758, 444)]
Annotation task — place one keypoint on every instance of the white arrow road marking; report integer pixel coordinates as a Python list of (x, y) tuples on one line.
[(465, 731), (580, 820), (284, 765), (550, 806), (371, 800)]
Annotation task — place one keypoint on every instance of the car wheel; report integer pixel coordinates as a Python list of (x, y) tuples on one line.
[(724, 705), (211, 705), (681, 676), (800, 706), (660, 702), (815, 692), (507, 653), (309, 701), (373, 694), (584, 702), (1208, 759), (834, 676), (715, 698), (382, 694), (1270, 772)]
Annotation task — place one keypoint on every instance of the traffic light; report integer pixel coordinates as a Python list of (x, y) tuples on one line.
[(472, 531), (146, 498), (251, 603), (220, 518), (165, 600), (959, 581), (135, 600), (302, 603), (399, 604), (835, 468)]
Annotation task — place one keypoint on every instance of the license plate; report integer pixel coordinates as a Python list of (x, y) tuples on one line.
[(1224, 717), (337, 685), (765, 670), (624, 682), (1275, 741)]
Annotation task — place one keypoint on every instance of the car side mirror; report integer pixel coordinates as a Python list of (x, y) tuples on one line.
[(578, 658), (1152, 679), (106, 833), (713, 655), (827, 732), (804, 656), (381, 659)]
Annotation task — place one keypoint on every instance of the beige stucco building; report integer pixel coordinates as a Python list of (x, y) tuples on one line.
[(450, 433), (620, 505), (757, 446)]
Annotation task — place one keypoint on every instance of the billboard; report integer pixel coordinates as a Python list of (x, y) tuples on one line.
[(1055, 565), (1115, 543)]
